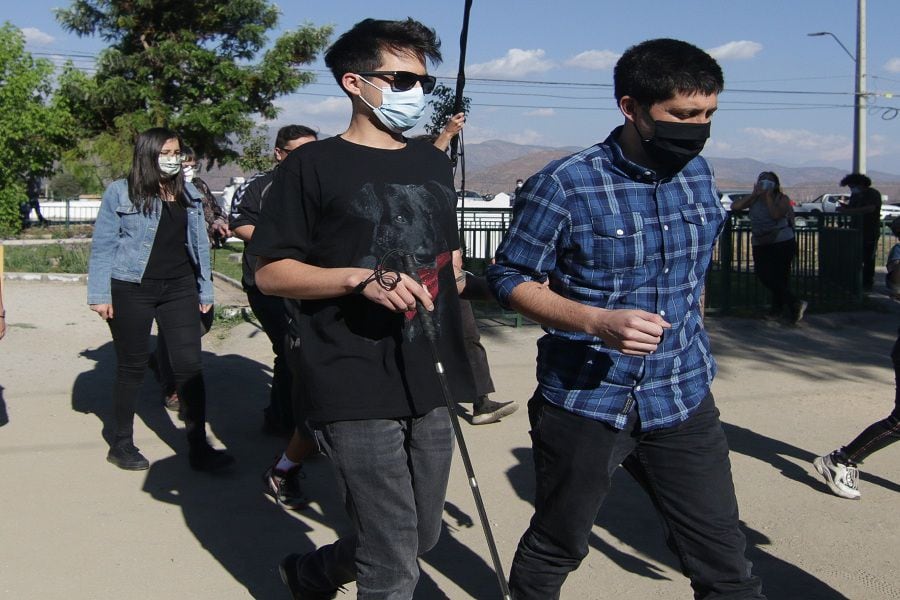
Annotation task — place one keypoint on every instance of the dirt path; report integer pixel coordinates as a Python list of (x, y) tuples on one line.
[(77, 528)]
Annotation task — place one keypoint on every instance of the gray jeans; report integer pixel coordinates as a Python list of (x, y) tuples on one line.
[(393, 478)]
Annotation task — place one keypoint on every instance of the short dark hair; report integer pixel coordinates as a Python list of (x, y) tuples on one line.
[(655, 70), (856, 179), (359, 49), (145, 177), (292, 132)]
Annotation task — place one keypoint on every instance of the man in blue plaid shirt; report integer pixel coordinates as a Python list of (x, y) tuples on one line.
[(608, 250)]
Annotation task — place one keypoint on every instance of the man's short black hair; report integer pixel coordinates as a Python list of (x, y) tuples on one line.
[(655, 70), (292, 132), (856, 179), (359, 49)]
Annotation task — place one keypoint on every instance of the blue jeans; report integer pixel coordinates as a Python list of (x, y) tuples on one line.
[(685, 470), (393, 478)]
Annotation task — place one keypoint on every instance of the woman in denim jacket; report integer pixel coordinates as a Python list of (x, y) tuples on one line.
[(150, 261)]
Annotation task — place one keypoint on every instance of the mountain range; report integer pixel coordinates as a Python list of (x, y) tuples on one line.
[(493, 166)]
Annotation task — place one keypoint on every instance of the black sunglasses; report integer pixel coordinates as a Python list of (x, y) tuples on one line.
[(401, 81)]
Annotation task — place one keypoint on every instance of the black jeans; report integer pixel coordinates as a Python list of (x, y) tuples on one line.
[(175, 305), (881, 433), (475, 352), (272, 315), (870, 248), (166, 375), (773, 267), (685, 470)]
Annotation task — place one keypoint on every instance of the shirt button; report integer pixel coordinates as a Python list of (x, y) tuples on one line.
[(666, 270), (637, 388), (703, 219), (665, 227), (662, 313), (620, 232)]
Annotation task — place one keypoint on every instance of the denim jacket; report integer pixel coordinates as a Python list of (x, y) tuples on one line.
[(123, 238)]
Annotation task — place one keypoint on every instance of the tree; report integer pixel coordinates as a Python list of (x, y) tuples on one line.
[(442, 105), (35, 126), (188, 66)]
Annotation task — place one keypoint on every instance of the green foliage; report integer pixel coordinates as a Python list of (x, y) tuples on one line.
[(187, 65), (35, 127), (47, 258), (442, 105), (256, 154), (65, 186)]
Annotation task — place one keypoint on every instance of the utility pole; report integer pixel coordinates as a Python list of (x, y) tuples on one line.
[(859, 120)]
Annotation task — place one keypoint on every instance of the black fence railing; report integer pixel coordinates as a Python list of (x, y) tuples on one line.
[(827, 270)]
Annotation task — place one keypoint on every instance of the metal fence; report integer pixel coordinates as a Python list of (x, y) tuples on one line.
[(827, 270)]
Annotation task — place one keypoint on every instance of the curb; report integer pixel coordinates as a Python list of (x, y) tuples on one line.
[(55, 277)]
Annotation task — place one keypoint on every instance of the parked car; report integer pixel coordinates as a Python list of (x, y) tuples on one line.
[(470, 196), (826, 203)]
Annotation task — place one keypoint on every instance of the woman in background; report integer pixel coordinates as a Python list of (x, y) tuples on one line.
[(774, 245), (150, 261)]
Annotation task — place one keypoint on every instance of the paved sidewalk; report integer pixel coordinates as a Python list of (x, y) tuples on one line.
[(76, 528)]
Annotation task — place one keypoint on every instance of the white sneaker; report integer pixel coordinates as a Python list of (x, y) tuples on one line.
[(841, 479)]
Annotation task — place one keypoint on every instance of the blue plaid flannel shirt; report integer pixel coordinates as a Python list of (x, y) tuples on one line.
[(607, 233)]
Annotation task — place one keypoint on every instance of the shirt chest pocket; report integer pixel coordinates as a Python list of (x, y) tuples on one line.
[(618, 242), (130, 220), (701, 226)]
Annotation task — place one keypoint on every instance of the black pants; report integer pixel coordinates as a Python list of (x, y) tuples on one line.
[(175, 305), (773, 267), (684, 469), (272, 315), (475, 352), (868, 274), (166, 375), (882, 433)]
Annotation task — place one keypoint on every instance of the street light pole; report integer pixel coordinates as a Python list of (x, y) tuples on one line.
[(859, 94), (859, 120)]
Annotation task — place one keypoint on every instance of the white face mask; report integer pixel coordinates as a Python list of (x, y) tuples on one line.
[(169, 165), (399, 111), (188, 171), (766, 184)]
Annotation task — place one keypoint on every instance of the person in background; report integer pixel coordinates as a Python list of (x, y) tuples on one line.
[(32, 202), (484, 410), (865, 200), (840, 468), (283, 415), (150, 262), (217, 231), (774, 244), (608, 250), (230, 190), (2, 310)]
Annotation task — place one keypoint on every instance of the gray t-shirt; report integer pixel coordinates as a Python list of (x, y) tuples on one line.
[(765, 229)]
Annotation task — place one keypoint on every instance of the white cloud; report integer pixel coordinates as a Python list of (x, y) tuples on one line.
[(893, 65), (599, 60), (813, 145), (741, 50), (516, 63), (37, 37), (541, 112)]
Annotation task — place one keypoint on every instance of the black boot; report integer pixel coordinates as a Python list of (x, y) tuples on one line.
[(204, 457), (124, 455)]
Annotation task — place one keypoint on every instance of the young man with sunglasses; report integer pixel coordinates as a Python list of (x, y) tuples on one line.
[(608, 250), (342, 217)]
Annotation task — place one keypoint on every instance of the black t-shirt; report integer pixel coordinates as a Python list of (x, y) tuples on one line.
[(169, 256), (338, 204), (245, 207), (871, 221)]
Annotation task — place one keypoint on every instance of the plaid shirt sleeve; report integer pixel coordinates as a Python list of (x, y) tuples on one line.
[(528, 252)]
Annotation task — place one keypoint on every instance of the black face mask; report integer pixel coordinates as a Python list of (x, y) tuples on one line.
[(674, 145)]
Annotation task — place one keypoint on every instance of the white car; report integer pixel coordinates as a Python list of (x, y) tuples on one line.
[(726, 197)]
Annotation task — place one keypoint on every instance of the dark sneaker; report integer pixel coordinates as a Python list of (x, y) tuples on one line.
[(204, 457), (290, 575), (126, 456), (488, 411), (284, 487), (172, 402)]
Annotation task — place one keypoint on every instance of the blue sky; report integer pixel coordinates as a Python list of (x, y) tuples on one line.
[(540, 72)]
